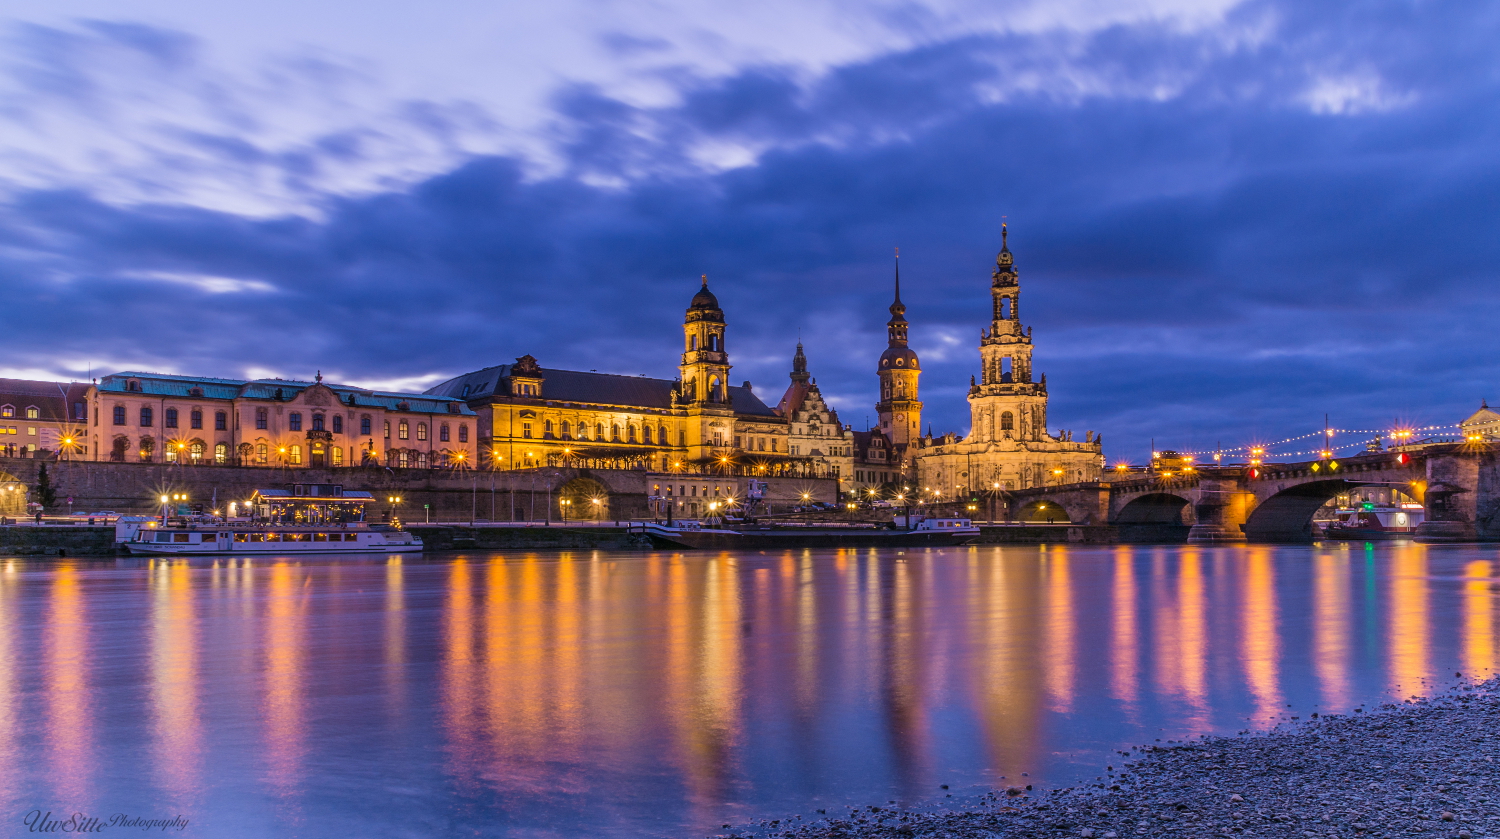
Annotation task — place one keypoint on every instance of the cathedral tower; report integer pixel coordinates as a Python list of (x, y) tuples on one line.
[(900, 412), (1006, 403)]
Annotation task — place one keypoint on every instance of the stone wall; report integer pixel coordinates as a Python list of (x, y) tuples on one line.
[(525, 494)]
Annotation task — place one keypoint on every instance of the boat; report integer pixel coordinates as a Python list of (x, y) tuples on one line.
[(1371, 522), (212, 538), (929, 532)]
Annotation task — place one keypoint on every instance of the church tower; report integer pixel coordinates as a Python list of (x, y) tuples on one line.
[(705, 376), (900, 412), (1006, 403)]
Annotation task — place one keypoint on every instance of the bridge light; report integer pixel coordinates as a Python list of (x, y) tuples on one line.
[(1333, 466), (1314, 467), (1257, 451)]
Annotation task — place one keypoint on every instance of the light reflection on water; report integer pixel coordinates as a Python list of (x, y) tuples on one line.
[(656, 694)]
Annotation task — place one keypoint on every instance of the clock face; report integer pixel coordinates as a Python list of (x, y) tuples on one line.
[(901, 418)]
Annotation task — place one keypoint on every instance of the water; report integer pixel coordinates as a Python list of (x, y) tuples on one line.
[(606, 694)]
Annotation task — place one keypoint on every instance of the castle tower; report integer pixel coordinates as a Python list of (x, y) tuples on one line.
[(900, 412), (705, 376), (1006, 403)]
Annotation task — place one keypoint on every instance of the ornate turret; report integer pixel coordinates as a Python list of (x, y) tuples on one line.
[(705, 362), (900, 412), (799, 366)]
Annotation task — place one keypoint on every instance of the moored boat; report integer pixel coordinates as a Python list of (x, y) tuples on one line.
[(205, 538), (1375, 522)]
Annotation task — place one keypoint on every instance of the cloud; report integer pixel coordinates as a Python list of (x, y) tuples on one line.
[(1208, 250)]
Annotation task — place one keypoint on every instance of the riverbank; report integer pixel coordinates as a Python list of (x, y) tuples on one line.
[(1425, 768)]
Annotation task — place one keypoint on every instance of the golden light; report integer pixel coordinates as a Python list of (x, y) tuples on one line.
[(1057, 471), (595, 501), (1122, 467), (1257, 451), (1187, 458), (165, 499)]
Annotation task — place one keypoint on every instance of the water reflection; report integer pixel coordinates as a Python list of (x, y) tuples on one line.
[(630, 694)]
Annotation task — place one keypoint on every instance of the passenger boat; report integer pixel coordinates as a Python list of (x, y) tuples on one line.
[(1372, 522), (933, 532), (204, 538)]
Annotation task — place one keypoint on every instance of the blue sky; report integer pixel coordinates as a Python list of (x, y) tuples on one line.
[(1229, 218)]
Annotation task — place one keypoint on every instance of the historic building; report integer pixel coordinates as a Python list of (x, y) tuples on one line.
[(42, 417), (813, 427), (148, 417), (1008, 445), (698, 423)]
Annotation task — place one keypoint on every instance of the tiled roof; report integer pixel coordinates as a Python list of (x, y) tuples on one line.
[(51, 399), (178, 386), (592, 388)]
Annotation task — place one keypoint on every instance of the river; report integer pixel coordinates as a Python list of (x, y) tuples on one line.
[(643, 695)]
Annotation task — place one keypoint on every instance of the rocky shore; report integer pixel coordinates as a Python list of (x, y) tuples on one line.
[(1427, 768)]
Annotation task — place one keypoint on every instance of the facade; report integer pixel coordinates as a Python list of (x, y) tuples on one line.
[(699, 423), (42, 418), (146, 417), (1008, 445), (813, 427), (1482, 426)]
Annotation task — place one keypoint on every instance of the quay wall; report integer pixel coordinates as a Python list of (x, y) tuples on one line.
[(519, 495), (28, 540)]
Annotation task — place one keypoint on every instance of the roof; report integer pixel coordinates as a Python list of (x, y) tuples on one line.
[(792, 399), (1483, 416), (53, 400), (158, 384), (592, 388)]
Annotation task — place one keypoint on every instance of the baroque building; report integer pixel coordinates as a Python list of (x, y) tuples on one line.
[(698, 423), (1008, 445)]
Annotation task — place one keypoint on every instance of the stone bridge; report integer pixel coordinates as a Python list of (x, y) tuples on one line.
[(1457, 483)]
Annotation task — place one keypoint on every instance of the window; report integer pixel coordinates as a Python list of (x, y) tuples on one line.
[(294, 421), (403, 430), (195, 419), (33, 413), (338, 423), (646, 434), (294, 455), (338, 454), (598, 431), (525, 429), (317, 422), (614, 432), (195, 451), (463, 434), (145, 418), (119, 415), (736, 441), (364, 426), (421, 431), (773, 444), (221, 421), (8, 411), (630, 432), (387, 429), (221, 452), (693, 343), (661, 435), (261, 417), (443, 432), (260, 454), (1007, 421), (567, 431), (547, 428), (421, 460), (169, 419)]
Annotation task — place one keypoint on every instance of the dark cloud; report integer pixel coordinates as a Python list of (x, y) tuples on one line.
[(1221, 235)]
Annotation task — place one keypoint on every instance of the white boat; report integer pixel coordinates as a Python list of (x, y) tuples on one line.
[(198, 539)]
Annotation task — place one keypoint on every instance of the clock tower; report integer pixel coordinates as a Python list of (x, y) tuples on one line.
[(900, 412)]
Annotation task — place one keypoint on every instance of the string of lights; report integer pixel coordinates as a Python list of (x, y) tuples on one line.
[(1398, 436)]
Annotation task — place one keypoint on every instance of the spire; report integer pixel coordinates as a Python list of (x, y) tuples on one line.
[(799, 366), (896, 326), (319, 378)]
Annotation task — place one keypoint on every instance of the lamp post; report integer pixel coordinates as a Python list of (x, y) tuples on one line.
[(394, 501)]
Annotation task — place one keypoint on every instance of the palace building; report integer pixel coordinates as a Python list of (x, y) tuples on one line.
[(1008, 445), (539, 416)]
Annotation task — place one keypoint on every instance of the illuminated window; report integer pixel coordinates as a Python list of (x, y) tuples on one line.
[(261, 417), (387, 429), (338, 423), (32, 413), (599, 431), (566, 431), (443, 432), (294, 455), (195, 451), (119, 415), (1007, 421), (403, 430), (317, 420), (338, 456), (421, 431), (7, 411), (261, 454), (294, 421), (221, 452), (421, 460), (525, 429), (145, 417)]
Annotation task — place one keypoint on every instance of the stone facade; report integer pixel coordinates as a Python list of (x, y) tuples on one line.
[(1008, 445), (813, 427)]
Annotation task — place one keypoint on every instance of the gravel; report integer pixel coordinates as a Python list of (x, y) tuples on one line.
[(1426, 768)]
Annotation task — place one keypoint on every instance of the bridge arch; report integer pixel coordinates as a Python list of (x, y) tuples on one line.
[(1154, 508), (1287, 515), (1043, 511)]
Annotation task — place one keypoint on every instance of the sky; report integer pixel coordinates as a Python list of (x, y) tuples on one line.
[(1230, 218)]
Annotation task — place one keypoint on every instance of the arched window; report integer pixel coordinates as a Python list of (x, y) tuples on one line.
[(1007, 421), (713, 343), (598, 431), (463, 433), (338, 423), (195, 451), (567, 431), (221, 452), (421, 431), (646, 434), (692, 343), (630, 433), (317, 422), (661, 435), (614, 432), (547, 428), (261, 453), (260, 417), (421, 460), (443, 432), (294, 421), (403, 431)]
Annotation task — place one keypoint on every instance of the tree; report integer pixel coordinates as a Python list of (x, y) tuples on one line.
[(46, 493)]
